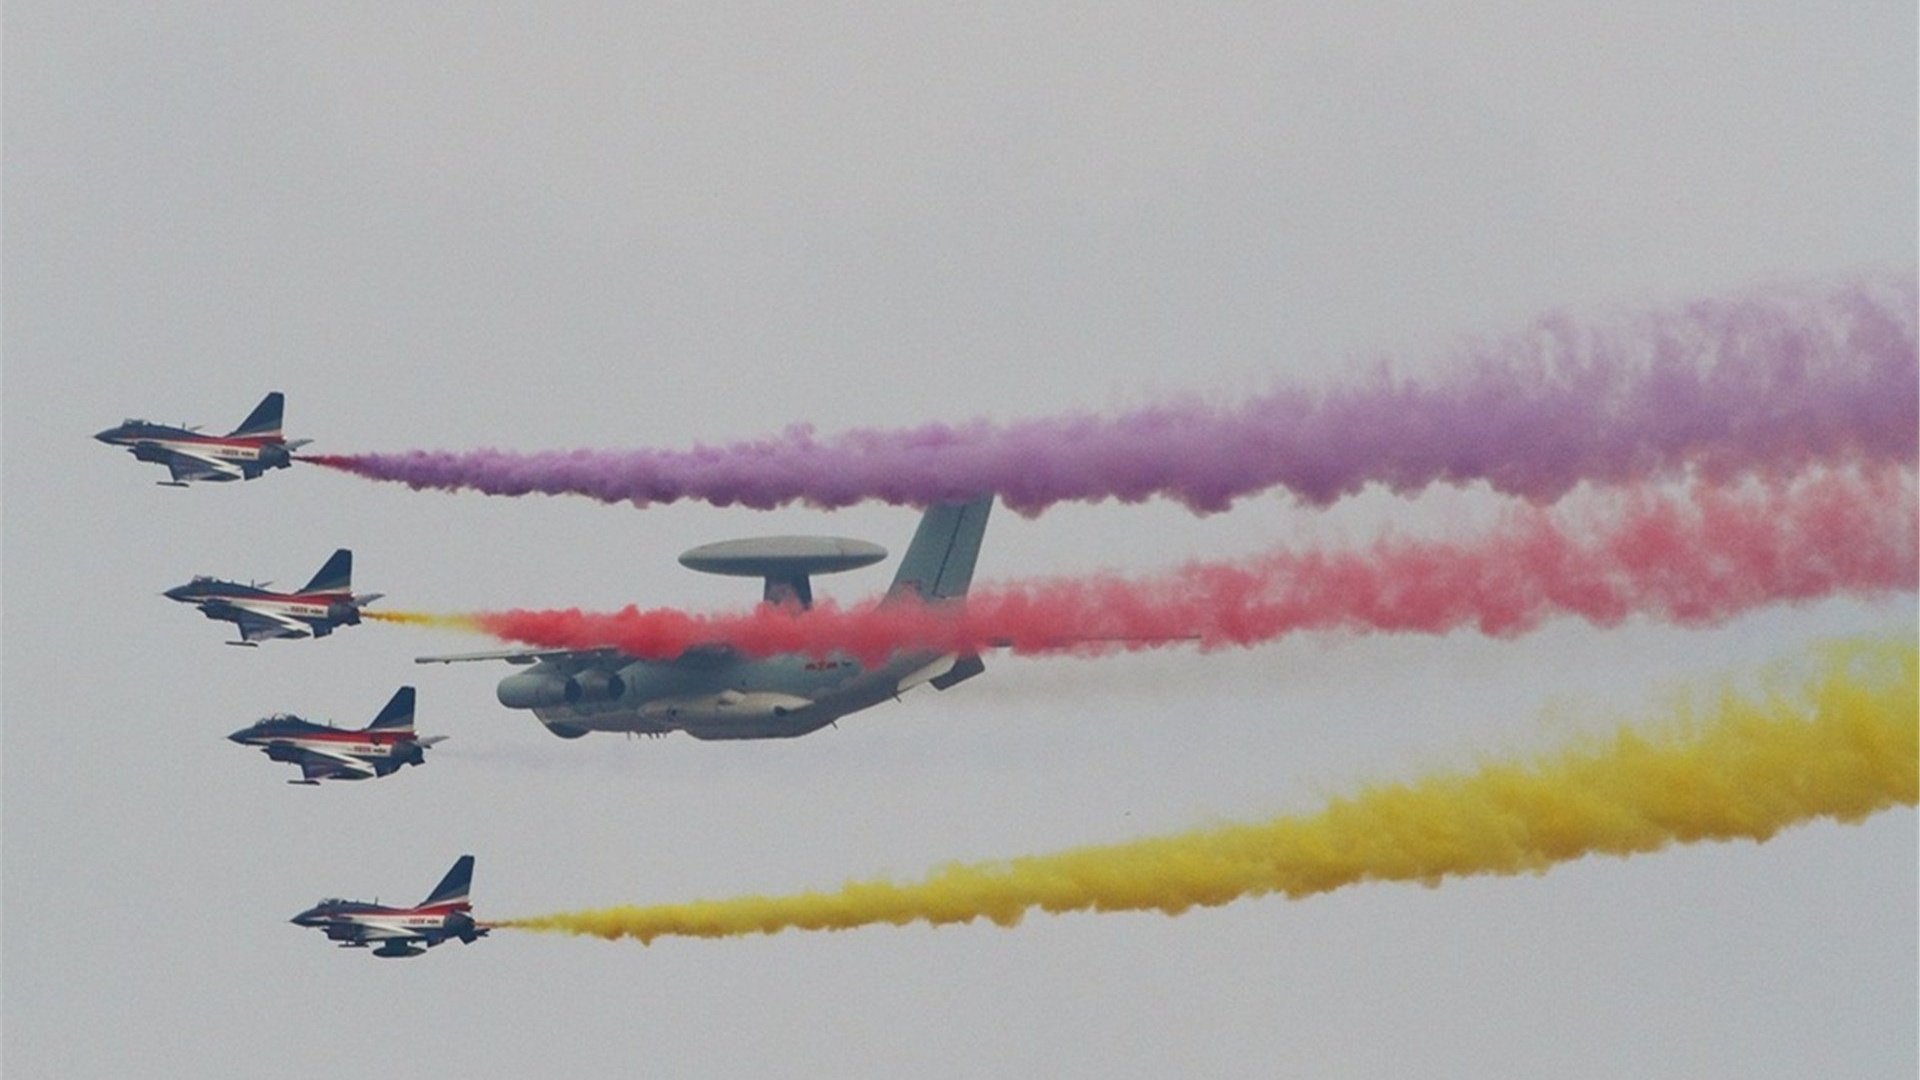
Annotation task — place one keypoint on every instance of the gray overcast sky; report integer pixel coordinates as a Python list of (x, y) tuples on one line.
[(546, 225)]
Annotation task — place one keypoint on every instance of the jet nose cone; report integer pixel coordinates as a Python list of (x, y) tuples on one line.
[(106, 436), (306, 918), (239, 736), (178, 592)]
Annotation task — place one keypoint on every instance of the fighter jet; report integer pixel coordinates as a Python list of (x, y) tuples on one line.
[(444, 914), (246, 452), (325, 752), (326, 602), (713, 692)]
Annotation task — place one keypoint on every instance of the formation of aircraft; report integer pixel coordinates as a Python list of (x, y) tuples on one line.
[(708, 692), (712, 692), (262, 614), (242, 454), (325, 752), (408, 931)]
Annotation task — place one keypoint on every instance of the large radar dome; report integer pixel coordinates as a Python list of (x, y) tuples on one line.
[(785, 562)]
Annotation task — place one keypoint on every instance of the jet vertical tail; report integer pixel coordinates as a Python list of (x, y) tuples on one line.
[(265, 417), (335, 577), (454, 887), (939, 561), (398, 715)]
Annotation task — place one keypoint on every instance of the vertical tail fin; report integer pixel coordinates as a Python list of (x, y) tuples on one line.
[(265, 417), (398, 715), (939, 561), (454, 887), (336, 576)]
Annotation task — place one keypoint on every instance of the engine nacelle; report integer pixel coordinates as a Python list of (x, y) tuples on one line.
[(275, 456), (567, 731), (595, 686), (536, 688), (344, 612)]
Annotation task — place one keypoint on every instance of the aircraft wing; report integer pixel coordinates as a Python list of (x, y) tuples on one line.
[(187, 466), (320, 764), (523, 656), (711, 655), (257, 627), (374, 931), (311, 769)]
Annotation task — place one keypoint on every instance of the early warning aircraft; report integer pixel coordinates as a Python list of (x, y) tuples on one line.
[(246, 452), (326, 602), (713, 692), (325, 752), (410, 931)]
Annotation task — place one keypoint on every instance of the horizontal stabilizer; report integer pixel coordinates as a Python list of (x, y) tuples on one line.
[(966, 667)]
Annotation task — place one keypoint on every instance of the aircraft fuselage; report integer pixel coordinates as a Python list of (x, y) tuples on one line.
[(401, 931), (713, 697), (300, 742), (300, 613), (217, 457)]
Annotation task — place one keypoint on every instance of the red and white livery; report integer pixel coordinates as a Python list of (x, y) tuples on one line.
[(396, 932)]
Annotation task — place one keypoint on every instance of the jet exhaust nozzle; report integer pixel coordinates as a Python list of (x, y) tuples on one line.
[(462, 926)]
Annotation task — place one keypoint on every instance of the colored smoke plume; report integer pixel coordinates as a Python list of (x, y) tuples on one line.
[(1693, 556), (422, 618), (1769, 381), (1728, 766)]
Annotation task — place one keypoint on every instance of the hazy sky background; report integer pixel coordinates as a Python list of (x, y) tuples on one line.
[(453, 225)]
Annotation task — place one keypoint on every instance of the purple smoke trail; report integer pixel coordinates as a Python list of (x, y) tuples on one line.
[(1771, 380)]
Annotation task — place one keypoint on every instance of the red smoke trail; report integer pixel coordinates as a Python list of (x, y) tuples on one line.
[(1695, 556)]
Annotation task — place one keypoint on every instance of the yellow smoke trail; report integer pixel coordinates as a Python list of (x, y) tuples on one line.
[(422, 618), (1841, 744)]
